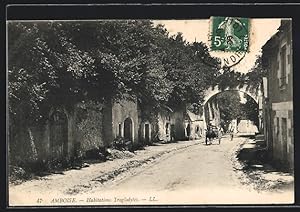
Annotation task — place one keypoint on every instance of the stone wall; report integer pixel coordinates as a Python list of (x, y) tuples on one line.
[(125, 112), (89, 126), (54, 140), (69, 134), (279, 97), (195, 128), (164, 126), (171, 125)]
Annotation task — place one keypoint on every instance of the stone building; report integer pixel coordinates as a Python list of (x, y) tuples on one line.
[(193, 126), (64, 135), (169, 124), (212, 113), (121, 119), (69, 133), (278, 95)]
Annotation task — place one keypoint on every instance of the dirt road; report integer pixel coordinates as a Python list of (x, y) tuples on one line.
[(197, 174)]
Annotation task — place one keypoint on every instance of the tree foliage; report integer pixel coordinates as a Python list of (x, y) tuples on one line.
[(230, 105), (231, 78), (232, 108), (64, 63), (250, 110), (254, 77)]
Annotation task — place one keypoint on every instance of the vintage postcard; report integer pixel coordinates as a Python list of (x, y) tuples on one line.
[(150, 112)]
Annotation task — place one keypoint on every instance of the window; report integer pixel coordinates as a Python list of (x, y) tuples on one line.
[(282, 80)]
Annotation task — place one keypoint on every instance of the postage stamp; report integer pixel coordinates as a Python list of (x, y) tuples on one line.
[(230, 34), (229, 39)]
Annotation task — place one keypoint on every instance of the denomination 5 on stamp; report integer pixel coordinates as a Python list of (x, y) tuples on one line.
[(229, 34)]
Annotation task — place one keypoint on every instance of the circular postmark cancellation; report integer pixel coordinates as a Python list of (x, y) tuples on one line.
[(229, 41)]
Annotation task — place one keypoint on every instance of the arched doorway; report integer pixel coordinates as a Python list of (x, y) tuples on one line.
[(147, 133), (58, 136), (128, 129), (188, 130)]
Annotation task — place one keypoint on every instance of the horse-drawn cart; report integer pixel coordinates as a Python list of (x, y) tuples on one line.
[(213, 134)]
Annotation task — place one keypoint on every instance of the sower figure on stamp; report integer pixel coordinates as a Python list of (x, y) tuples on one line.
[(232, 41)]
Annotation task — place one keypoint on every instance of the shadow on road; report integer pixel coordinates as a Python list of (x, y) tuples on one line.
[(259, 171)]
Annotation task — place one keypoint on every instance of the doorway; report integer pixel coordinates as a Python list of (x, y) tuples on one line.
[(147, 133), (128, 129)]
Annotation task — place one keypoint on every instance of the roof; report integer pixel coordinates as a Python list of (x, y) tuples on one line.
[(193, 116), (273, 40)]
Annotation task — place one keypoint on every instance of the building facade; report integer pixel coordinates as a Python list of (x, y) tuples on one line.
[(278, 96), (69, 133), (121, 119), (193, 126), (169, 125), (211, 113)]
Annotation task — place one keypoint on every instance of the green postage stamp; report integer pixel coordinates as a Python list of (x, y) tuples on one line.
[(230, 34)]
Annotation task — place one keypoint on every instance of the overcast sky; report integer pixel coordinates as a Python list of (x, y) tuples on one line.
[(260, 31)]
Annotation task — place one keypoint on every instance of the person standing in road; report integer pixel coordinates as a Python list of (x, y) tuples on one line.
[(231, 131)]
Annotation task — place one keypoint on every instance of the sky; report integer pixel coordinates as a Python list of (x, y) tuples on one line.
[(261, 31)]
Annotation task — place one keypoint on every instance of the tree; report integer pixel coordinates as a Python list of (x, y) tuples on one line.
[(230, 106), (250, 110), (230, 78), (41, 60), (50, 63), (254, 77), (188, 72)]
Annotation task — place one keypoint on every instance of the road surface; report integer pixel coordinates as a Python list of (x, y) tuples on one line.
[(198, 174)]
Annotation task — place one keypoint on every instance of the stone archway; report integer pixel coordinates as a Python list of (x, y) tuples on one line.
[(58, 136), (128, 129), (213, 91)]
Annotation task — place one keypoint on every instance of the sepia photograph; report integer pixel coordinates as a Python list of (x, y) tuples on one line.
[(150, 111)]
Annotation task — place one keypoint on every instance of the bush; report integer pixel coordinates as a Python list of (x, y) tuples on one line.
[(96, 154), (121, 143), (17, 173), (137, 146)]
